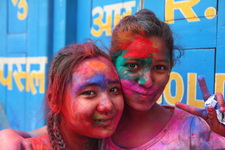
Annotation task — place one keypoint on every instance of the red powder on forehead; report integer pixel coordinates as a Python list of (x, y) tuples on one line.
[(140, 48)]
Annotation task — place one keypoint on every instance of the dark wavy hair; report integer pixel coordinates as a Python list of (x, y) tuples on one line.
[(142, 24)]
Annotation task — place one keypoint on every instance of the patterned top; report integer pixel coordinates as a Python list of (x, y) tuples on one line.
[(183, 131)]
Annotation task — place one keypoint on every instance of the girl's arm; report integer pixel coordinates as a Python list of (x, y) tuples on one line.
[(35, 133), (208, 115), (15, 139)]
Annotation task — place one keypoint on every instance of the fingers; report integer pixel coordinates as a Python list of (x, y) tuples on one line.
[(203, 86), (221, 102), (212, 116), (212, 119), (191, 109), (16, 141), (213, 122)]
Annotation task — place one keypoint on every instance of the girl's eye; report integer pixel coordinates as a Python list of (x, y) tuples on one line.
[(132, 65), (88, 94), (114, 90), (160, 67)]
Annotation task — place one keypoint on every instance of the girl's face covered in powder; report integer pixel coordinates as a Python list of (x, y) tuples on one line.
[(94, 102), (144, 68)]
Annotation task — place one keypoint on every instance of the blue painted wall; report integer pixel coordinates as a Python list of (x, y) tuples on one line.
[(31, 32)]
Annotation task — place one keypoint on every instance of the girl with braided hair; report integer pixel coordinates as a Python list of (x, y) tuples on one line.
[(84, 98)]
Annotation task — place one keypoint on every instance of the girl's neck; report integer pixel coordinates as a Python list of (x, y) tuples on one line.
[(135, 115), (74, 140), (141, 125)]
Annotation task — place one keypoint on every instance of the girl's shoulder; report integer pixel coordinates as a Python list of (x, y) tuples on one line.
[(181, 115), (41, 142), (184, 121)]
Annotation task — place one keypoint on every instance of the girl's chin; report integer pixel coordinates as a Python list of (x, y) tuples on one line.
[(139, 98), (105, 133), (140, 105)]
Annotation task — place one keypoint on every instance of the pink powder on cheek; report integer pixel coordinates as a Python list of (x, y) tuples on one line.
[(141, 48), (130, 86)]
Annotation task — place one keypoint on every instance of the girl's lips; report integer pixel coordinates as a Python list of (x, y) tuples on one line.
[(103, 122)]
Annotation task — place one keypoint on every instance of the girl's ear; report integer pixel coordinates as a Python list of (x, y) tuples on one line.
[(52, 103)]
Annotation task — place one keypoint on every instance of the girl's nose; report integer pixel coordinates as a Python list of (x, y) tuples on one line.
[(145, 79), (105, 105)]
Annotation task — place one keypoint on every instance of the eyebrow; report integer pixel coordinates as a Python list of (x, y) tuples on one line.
[(134, 59), (87, 84), (162, 60)]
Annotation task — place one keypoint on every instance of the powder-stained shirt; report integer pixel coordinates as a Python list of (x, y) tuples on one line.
[(41, 143), (183, 131)]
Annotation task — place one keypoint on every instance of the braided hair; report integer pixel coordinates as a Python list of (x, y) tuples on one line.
[(55, 135)]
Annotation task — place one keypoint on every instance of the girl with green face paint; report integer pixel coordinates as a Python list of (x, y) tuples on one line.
[(143, 72), (142, 51)]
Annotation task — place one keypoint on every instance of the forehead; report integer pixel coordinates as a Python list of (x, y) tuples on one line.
[(95, 71), (142, 48), (92, 66)]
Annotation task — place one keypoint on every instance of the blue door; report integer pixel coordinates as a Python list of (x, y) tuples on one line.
[(24, 50)]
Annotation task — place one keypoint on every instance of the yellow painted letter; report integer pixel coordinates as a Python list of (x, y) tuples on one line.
[(220, 83), (185, 8), (179, 89)]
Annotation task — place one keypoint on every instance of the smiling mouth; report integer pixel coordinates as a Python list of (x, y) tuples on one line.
[(103, 122)]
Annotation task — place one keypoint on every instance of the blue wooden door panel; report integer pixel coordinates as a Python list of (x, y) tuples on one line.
[(3, 89), (71, 21), (220, 55), (220, 50), (15, 108), (59, 31), (158, 7), (33, 28), (3, 26), (38, 50), (186, 34), (187, 27), (84, 9), (16, 43), (16, 27), (16, 24), (23, 61)]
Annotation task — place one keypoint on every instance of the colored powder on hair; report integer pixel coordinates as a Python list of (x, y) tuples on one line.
[(140, 48), (98, 64)]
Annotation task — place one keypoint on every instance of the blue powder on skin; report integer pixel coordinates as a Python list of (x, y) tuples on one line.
[(99, 80)]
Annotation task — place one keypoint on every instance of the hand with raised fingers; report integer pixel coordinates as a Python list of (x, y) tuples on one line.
[(208, 114), (11, 140)]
